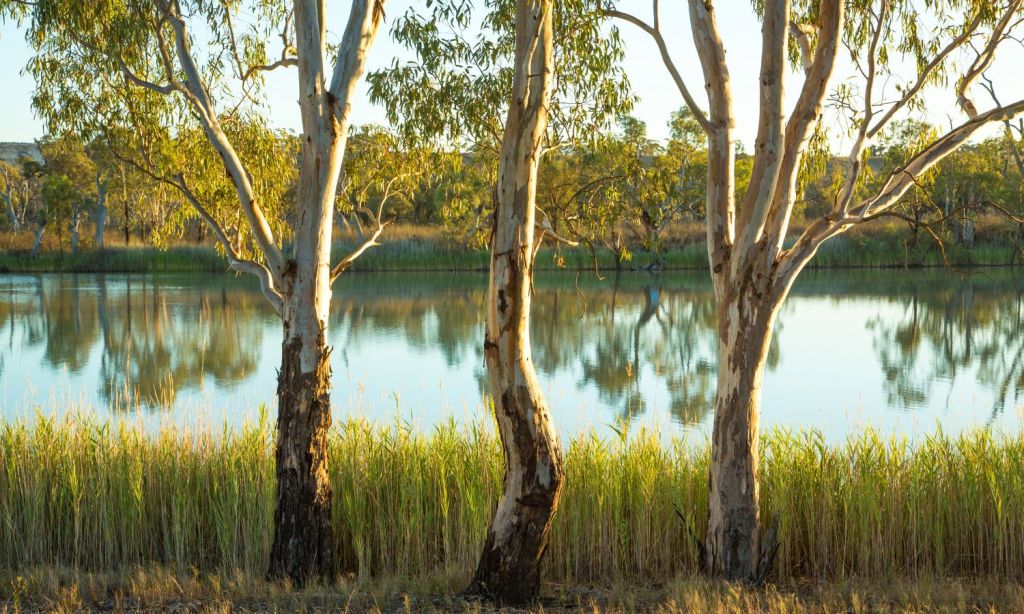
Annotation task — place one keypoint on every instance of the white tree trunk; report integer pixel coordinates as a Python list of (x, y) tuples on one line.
[(37, 243), (101, 214), (509, 567), (303, 537), (12, 215), (733, 539), (73, 228)]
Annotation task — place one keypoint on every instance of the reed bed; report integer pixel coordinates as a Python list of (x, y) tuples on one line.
[(94, 496), (408, 251)]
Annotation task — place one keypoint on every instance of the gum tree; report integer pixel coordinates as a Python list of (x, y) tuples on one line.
[(547, 67), (12, 191), (164, 68), (753, 260)]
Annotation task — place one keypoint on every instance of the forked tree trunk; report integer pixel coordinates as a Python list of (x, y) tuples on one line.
[(509, 567), (303, 542)]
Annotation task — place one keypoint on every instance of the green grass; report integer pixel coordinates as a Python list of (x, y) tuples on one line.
[(419, 250), (116, 260), (98, 497)]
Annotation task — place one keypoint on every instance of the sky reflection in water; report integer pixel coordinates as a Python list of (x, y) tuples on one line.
[(901, 351)]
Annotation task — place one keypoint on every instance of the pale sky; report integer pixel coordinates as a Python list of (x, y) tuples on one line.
[(658, 95)]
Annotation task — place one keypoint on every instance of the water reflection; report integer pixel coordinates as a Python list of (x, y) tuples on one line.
[(629, 346), (970, 329), (145, 338)]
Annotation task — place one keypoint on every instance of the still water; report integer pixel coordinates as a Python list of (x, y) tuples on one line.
[(905, 352)]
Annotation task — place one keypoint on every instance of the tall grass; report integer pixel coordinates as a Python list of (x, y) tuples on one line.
[(181, 259), (99, 497), (409, 251)]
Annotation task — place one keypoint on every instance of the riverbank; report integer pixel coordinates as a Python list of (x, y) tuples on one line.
[(429, 250), (81, 495), (156, 588)]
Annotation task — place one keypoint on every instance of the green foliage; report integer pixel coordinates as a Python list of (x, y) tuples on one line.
[(458, 88), (383, 167), (59, 196), (456, 92)]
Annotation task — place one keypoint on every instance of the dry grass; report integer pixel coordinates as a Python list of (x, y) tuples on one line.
[(159, 589)]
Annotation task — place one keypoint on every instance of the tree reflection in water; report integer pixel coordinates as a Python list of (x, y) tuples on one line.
[(971, 328), (632, 343), (151, 335)]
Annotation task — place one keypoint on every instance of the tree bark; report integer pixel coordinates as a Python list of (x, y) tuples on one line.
[(733, 539), (73, 229), (303, 539), (509, 567), (37, 243), (98, 241), (12, 215)]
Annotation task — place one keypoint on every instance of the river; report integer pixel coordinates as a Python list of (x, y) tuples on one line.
[(903, 352)]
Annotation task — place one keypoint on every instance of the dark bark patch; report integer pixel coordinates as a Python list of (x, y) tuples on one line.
[(303, 538)]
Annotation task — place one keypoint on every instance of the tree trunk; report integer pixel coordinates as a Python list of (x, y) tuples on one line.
[(73, 229), (37, 243), (303, 542), (733, 540), (12, 215), (127, 235), (98, 241), (509, 567)]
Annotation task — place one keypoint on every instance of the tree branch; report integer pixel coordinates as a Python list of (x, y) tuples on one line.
[(984, 59), (803, 122), (899, 181), (770, 142), (202, 103), (654, 31), (242, 265), (721, 205)]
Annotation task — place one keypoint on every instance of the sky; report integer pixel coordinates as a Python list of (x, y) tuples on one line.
[(658, 97)]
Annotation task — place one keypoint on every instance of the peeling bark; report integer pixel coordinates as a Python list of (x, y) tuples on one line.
[(509, 567), (303, 539), (733, 541)]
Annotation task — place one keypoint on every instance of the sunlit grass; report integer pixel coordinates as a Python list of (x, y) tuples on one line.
[(427, 248), (96, 496)]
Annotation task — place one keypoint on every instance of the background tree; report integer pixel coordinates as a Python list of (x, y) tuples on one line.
[(138, 69), (11, 183), (753, 265), (66, 161), (33, 210), (105, 166), (59, 196), (386, 170)]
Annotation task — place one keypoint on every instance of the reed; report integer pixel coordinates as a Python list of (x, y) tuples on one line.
[(412, 249), (77, 493)]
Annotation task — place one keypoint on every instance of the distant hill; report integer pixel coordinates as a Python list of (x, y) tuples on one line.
[(13, 152)]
